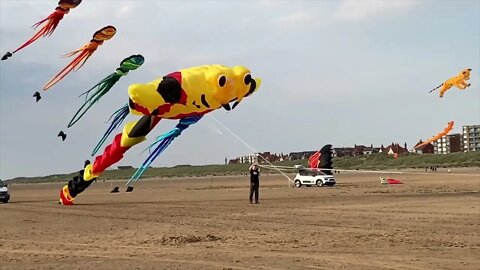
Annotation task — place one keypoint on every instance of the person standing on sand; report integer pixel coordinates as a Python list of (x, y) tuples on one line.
[(254, 182)]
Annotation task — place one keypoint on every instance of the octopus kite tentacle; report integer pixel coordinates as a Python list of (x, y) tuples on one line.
[(51, 24), (118, 118), (163, 142), (84, 53), (131, 63)]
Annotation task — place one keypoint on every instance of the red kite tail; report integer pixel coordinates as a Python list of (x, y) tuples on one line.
[(46, 30)]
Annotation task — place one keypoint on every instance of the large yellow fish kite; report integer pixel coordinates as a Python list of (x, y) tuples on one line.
[(185, 95)]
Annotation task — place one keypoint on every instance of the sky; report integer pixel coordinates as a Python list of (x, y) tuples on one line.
[(333, 72)]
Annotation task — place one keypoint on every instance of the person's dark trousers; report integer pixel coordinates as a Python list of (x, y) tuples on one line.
[(254, 189)]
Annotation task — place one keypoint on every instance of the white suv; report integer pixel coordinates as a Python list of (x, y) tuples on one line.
[(4, 194), (311, 177)]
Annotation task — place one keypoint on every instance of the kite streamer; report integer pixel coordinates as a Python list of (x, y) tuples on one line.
[(51, 23), (130, 63), (84, 53)]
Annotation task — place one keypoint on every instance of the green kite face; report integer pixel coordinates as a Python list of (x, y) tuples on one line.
[(132, 62)]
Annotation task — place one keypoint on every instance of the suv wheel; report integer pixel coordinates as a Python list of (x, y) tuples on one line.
[(297, 183), (319, 183)]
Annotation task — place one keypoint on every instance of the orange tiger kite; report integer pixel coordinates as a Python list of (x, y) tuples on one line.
[(458, 81)]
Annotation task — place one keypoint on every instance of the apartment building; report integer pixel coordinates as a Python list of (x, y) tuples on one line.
[(471, 138), (248, 158), (448, 144)]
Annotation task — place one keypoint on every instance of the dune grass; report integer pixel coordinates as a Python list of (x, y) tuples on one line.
[(379, 161)]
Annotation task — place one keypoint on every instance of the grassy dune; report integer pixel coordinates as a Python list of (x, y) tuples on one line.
[(374, 161), (382, 161)]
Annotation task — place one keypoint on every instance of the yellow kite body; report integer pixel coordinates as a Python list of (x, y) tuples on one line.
[(186, 95), (192, 91), (459, 81)]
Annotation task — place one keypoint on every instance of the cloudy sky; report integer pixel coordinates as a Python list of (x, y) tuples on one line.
[(338, 72)]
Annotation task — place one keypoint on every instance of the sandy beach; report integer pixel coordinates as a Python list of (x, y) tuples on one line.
[(429, 222)]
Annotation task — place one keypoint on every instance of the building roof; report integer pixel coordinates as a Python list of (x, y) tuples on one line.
[(396, 148), (423, 146)]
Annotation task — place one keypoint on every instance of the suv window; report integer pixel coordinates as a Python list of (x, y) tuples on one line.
[(303, 173), (2, 184), (317, 172), (310, 173)]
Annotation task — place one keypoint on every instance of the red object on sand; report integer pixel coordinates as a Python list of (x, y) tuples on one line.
[(391, 181)]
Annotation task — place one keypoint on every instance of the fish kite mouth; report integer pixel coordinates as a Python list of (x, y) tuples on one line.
[(253, 86), (226, 107)]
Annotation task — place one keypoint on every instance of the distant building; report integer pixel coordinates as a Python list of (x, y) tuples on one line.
[(361, 150), (448, 144), (233, 161), (259, 157), (395, 149), (124, 167), (425, 149), (248, 158), (342, 151), (272, 157), (471, 138), (300, 155), (358, 150), (268, 156)]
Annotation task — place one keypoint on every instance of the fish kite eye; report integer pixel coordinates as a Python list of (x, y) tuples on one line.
[(222, 80), (247, 79)]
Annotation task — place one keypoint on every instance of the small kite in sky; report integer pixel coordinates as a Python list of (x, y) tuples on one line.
[(37, 96), (85, 52), (51, 22), (62, 135), (438, 136), (459, 81), (101, 88)]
